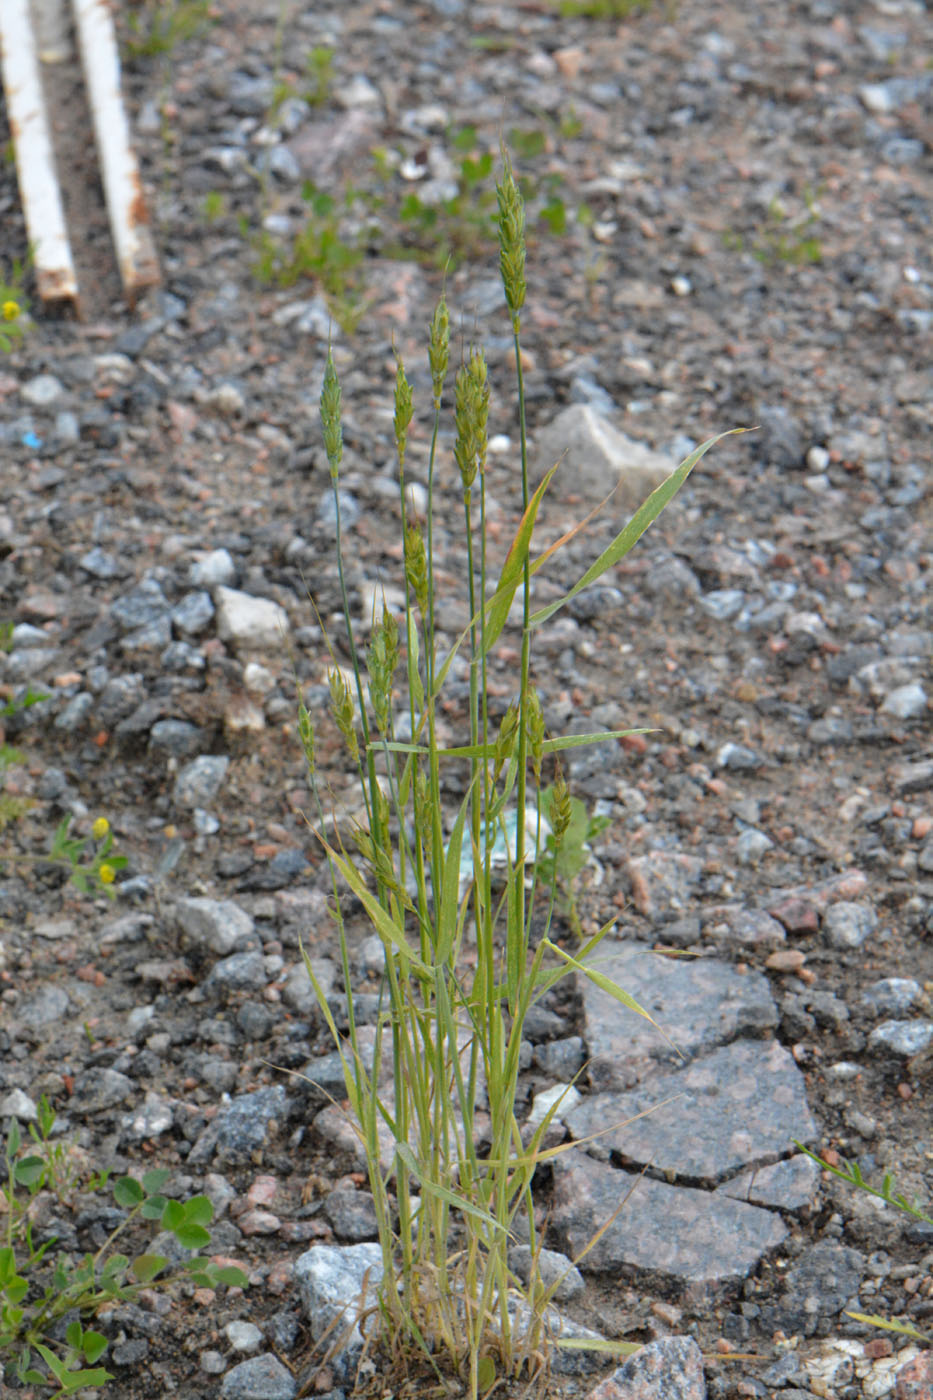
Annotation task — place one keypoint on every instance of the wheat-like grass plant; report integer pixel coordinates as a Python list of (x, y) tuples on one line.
[(455, 1186)]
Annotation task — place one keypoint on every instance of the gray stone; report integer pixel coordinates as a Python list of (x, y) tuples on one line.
[(597, 458), (662, 881), (217, 924), (741, 1105), (669, 1369), (250, 622), (214, 1071), (823, 1280), (892, 996), (779, 438), (298, 990), (46, 1006), (914, 777), (335, 1285), (119, 698), (751, 846), (737, 926), (739, 757), (193, 613), (199, 782), (849, 925), (722, 603), (788, 1185), (154, 636), (242, 1130), (100, 1088), (352, 1214), (552, 1267), (561, 1058), (699, 1004), (671, 578), (75, 712), (239, 972), (154, 1118), (283, 869), (144, 604), (102, 565), (901, 1038), (213, 569), (694, 1241), (176, 737), (260, 1378)]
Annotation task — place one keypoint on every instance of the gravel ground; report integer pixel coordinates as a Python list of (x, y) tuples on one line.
[(753, 249)]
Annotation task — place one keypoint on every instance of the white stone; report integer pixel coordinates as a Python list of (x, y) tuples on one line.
[(43, 389), (595, 458), (213, 569), (906, 702), (243, 1336), (17, 1104), (564, 1095), (258, 679), (330, 1281), (248, 621), (217, 924)]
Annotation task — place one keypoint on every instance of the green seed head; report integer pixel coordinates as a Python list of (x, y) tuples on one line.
[(536, 733), (439, 348), (403, 412), (306, 735), (381, 663), (511, 240), (330, 416), (416, 566), (506, 738), (471, 415), (343, 710), (560, 810)]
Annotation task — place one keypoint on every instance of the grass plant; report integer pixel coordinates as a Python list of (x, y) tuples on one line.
[(449, 1169)]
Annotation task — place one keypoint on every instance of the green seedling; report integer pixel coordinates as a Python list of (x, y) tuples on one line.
[(783, 238), (851, 1173), (14, 309), (41, 1288), (602, 9), (159, 28), (561, 863)]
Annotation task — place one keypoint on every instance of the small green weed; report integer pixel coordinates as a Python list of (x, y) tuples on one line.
[(14, 306), (158, 28), (89, 860), (215, 206), (561, 863), (602, 9), (319, 76), (320, 250), (41, 1290), (851, 1172), (784, 238)]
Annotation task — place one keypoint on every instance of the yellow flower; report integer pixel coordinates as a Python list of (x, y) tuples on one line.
[(10, 310), (107, 874), (100, 828)]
